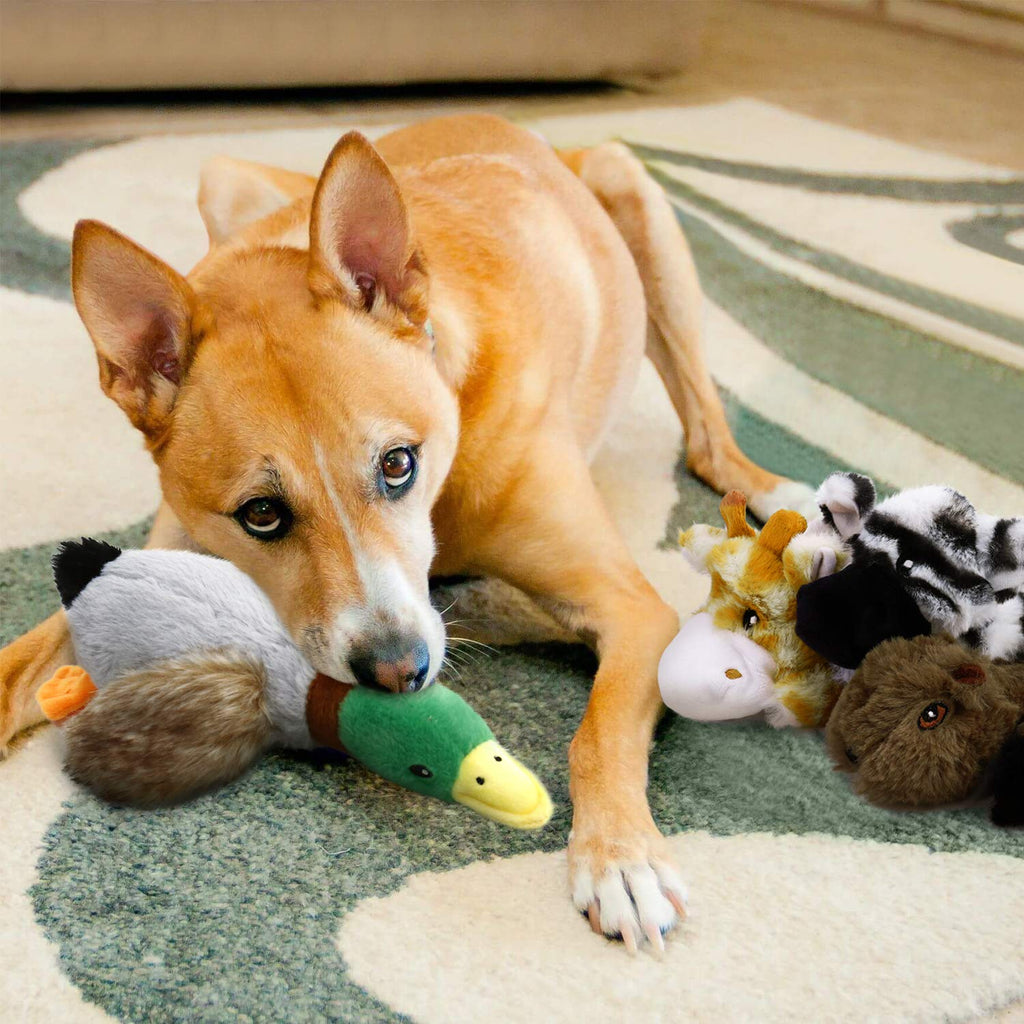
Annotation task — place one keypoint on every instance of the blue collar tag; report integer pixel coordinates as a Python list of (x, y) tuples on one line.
[(428, 330)]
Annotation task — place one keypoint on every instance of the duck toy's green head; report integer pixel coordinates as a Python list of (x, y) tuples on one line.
[(433, 743)]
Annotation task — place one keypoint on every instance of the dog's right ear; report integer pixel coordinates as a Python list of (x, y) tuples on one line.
[(140, 314)]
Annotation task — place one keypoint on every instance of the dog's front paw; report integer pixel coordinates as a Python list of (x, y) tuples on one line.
[(789, 494), (627, 886)]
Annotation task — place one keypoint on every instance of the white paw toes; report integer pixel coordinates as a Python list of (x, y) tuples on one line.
[(789, 494), (673, 887), (634, 902)]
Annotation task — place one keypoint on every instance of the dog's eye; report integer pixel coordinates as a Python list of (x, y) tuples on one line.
[(421, 770), (265, 518), (398, 466), (851, 756), (906, 566), (932, 716), (750, 619)]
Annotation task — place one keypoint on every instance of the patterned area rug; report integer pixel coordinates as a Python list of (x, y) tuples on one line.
[(865, 310)]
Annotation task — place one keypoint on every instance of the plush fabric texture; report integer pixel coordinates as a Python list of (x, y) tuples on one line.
[(848, 328), (433, 729), (161, 734), (163, 634), (842, 617), (147, 607), (963, 569), (715, 674), (921, 720)]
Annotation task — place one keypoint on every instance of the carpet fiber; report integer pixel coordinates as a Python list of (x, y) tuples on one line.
[(865, 310)]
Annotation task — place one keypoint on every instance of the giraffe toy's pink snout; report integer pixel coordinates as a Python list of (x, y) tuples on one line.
[(710, 674)]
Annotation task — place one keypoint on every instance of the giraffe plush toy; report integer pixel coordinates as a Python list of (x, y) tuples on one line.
[(740, 655)]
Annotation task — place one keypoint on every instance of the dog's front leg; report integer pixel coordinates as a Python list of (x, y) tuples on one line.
[(555, 540), (622, 875)]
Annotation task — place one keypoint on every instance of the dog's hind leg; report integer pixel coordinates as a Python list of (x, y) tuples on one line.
[(25, 664), (645, 220)]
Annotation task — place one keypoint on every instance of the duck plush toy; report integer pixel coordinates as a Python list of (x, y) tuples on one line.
[(186, 676)]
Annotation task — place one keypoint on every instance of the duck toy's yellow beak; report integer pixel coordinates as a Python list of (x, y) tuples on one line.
[(493, 783)]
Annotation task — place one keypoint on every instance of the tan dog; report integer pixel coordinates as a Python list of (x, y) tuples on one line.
[(307, 427)]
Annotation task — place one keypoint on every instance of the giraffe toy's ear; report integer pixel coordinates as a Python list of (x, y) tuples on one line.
[(698, 542), (734, 513)]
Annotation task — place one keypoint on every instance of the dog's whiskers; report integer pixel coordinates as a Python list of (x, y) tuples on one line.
[(475, 643), (463, 658)]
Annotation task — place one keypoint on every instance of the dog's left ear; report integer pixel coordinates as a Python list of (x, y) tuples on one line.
[(360, 242)]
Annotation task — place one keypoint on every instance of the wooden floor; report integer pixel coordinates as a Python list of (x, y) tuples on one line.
[(926, 90)]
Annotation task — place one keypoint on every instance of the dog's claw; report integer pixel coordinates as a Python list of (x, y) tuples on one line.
[(654, 937), (677, 901), (636, 902)]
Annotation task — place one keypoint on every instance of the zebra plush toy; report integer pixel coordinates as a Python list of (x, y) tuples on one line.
[(923, 561)]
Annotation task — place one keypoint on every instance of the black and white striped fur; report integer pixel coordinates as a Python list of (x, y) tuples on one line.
[(964, 569)]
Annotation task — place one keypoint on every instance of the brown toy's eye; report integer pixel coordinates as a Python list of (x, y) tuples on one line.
[(932, 716), (750, 619), (851, 756)]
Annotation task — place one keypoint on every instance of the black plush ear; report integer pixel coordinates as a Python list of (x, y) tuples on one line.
[(844, 616), (845, 499), (76, 563), (1008, 782)]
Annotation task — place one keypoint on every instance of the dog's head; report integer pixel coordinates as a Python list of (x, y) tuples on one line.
[(292, 404)]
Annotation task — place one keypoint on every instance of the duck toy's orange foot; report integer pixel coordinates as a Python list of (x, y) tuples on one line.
[(65, 693)]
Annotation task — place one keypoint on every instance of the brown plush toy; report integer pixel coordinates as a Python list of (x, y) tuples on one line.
[(926, 722)]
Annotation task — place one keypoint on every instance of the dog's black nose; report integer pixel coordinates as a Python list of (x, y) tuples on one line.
[(396, 663)]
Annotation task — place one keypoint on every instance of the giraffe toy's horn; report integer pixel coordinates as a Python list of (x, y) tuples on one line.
[(780, 529), (734, 512)]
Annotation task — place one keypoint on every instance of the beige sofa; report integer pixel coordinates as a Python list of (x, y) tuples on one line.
[(154, 44)]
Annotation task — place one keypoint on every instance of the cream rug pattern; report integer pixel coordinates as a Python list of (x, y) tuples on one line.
[(865, 309)]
